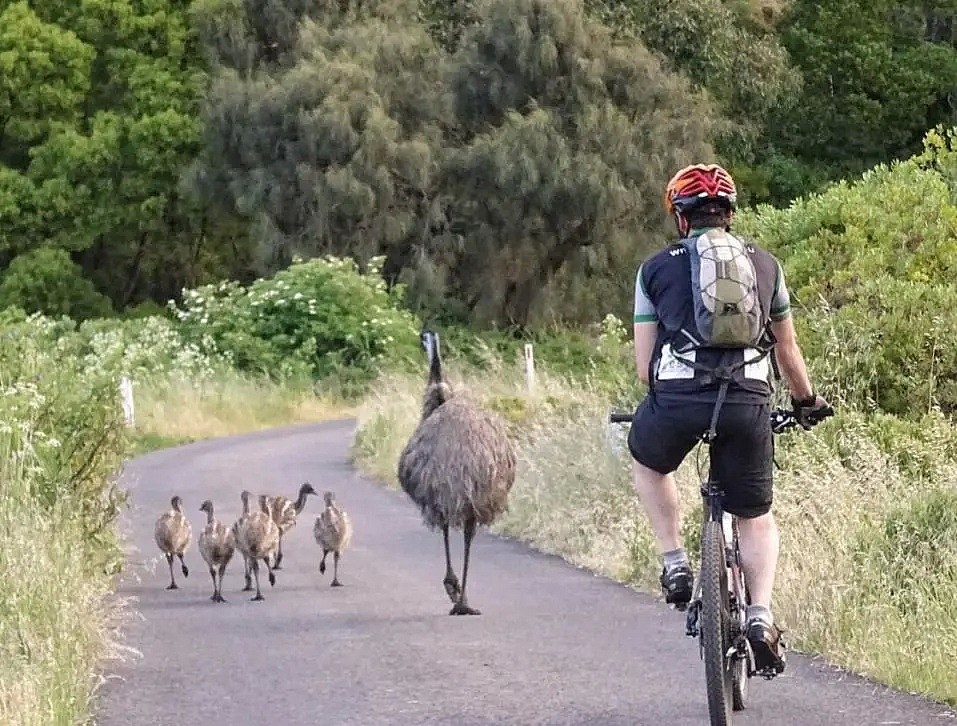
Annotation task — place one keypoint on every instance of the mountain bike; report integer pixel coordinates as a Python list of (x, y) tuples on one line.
[(718, 611)]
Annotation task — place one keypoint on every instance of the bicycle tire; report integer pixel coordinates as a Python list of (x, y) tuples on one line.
[(740, 675), (739, 683), (715, 624)]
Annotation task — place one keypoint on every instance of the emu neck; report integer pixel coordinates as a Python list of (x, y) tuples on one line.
[(301, 502), (209, 516), (435, 395)]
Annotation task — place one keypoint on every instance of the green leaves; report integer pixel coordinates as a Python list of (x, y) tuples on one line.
[(47, 280), (44, 78), (873, 264), (313, 319)]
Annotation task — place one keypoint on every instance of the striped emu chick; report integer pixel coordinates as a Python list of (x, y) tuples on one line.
[(458, 467), (173, 534), (216, 544), (257, 537), (284, 512), (333, 531)]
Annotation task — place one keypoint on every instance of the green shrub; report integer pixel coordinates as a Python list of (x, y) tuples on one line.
[(871, 265), (61, 437), (48, 281), (316, 318)]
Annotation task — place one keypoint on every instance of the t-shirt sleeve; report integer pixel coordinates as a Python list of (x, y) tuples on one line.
[(644, 308), (781, 301)]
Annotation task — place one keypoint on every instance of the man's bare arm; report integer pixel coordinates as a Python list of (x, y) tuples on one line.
[(790, 359), (645, 335)]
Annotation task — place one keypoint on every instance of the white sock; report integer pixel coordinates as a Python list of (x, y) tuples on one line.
[(761, 613)]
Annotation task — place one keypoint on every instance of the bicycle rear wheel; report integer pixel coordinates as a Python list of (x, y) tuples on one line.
[(741, 598), (716, 624)]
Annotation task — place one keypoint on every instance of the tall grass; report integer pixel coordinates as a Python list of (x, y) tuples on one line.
[(60, 440), (54, 626), (181, 409), (867, 507)]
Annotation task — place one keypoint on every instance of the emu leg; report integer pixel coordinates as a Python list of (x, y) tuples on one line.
[(172, 579), (451, 582), (219, 589), (272, 577), (246, 574), (462, 607), (255, 566), (322, 562), (335, 571), (182, 562), (215, 596), (276, 565)]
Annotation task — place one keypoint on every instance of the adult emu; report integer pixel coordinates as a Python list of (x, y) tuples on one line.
[(458, 467)]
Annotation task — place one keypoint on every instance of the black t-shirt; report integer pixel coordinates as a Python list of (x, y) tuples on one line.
[(663, 295)]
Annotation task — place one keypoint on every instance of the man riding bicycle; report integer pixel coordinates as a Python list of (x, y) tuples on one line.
[(698, 389)]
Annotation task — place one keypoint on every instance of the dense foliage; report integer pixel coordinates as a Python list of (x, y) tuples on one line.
[(311, 320), (505, 157), (872, 265)]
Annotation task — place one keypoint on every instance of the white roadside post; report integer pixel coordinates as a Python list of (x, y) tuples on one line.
[(529, 367), (126, 392)]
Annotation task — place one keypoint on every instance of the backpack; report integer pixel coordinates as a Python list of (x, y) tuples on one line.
[(724, 285), (727, 309)]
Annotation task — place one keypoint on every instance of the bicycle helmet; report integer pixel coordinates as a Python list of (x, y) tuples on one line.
[(697, 185)]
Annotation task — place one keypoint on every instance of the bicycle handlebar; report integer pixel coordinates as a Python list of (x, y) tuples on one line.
[(782, 419)]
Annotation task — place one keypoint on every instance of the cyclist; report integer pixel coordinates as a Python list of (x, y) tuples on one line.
[(683, 395)]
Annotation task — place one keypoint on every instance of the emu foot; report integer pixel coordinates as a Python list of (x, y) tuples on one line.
[(322, 567), (217, 597), (257, 598), (185, 570), (172, 586), (336, 583), (272, 580), (460, 608), (452, 587), (249, 584)]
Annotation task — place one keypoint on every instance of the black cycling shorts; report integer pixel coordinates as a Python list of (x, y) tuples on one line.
[(664, 431)]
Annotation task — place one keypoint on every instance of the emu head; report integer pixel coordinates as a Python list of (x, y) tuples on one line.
[(329, 498), (430, 342), (206, 506), (437, 391), (177, 503)]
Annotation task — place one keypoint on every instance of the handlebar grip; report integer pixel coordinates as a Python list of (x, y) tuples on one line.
[(620, 417)]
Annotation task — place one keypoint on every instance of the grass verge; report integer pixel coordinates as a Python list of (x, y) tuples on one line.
[(867, 507), (181, 410)]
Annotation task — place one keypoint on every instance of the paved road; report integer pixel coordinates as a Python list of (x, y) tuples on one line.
[(555, 645)]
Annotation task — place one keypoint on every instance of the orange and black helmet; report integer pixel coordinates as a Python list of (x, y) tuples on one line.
[(697, 184)]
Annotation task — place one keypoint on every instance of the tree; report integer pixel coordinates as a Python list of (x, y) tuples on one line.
[(569, 137), (872, 84), (333, 152), (46, 280), (729, 49), (100, 120)]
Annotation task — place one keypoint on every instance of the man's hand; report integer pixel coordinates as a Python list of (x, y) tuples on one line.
[(811, 411)]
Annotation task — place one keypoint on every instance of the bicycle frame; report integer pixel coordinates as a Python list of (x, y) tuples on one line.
[(713, 511)]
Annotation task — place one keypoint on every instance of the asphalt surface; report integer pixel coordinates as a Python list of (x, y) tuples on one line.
[(554, 644)]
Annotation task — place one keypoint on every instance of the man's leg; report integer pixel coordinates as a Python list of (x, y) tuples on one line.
[(759, 542), (744, 460), (659, 496)]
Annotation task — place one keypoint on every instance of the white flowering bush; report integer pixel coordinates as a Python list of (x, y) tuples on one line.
[(60, 417), (315, 318), (149, 350)]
